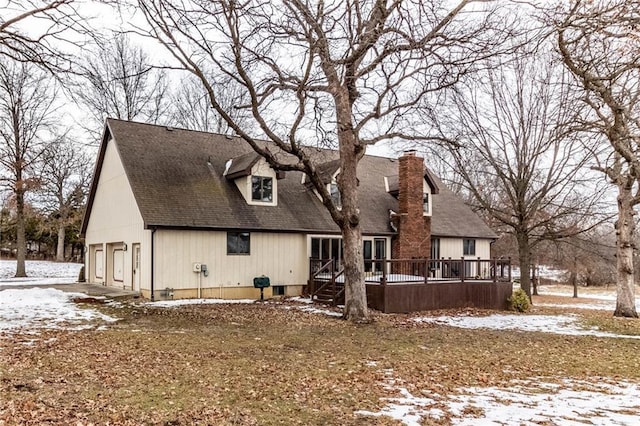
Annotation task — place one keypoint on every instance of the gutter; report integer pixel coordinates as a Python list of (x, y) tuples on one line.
[(153, 233)]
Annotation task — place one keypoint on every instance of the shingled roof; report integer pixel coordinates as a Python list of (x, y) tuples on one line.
[(177, 180)]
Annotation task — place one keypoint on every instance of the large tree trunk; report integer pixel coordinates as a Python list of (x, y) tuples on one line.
[(21, 254), (525, 263), (355, 308), (625, 301), (60, 247)]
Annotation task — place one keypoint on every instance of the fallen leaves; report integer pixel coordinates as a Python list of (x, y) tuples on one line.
[(264, 364)]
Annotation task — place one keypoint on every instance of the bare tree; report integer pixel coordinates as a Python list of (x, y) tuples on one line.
[(599, 42), (517, 156), (33, 31), (65, 182), (191, 109), (26, 106), (348, 74), (119, 81)]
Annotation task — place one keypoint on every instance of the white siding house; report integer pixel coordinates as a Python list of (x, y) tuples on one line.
[(180, 214)]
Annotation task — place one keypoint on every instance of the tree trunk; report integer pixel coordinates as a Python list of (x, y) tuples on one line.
[(525, 265), (355, 308), (625, 300), (21, 253), (60, 247), (535, 279), (574, 277)]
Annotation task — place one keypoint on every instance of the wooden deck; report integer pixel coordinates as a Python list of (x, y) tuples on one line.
[(414, 297), (400, 286)]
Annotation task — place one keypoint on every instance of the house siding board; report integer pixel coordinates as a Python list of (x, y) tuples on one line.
[(281, 257), (115, 218), (452, 248)]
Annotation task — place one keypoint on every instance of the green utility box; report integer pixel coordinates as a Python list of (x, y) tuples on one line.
[(261, 283)]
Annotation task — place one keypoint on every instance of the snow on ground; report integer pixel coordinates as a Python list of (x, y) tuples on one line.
[(544, 271), (39, 272), (26, 310), (525, 402), (183, 302), (556, 324), (598, 298)]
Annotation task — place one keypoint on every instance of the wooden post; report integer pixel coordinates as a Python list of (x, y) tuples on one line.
[(383, 280), (426, 270), (495, 270), (462, 269), (333, 289), (509, 265)]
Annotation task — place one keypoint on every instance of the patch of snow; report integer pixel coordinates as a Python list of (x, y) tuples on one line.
[(525, 402), (183, 302), (300, 299), (544, 271), (556, 324), (44, 308), (593, 306), (313, 310), (604, 299), (39, 272)]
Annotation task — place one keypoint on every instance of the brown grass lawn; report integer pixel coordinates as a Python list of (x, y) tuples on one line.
[(265, 365)]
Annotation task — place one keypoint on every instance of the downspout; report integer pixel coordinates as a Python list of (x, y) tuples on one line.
[(153, 233)]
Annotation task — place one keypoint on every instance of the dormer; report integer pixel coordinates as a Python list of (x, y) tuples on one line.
[(255, 179), (429, 188), (329, 172)]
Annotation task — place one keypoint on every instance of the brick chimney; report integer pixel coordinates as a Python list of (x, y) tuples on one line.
[(414, 228)]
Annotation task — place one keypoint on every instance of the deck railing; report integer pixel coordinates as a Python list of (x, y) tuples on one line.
[(421, 270), (325, 281)]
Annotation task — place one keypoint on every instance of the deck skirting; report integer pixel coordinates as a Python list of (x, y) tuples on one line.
[(414, 297)]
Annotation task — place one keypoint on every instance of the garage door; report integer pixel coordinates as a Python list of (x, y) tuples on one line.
[(118, 265)]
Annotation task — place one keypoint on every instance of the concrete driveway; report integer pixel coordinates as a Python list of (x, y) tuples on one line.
[(88, 289)]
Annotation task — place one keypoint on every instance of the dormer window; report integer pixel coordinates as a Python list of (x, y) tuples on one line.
[(262, 189), (335, 194), (425, 203)]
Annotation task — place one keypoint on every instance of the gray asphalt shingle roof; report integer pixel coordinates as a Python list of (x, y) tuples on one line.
[(177, 179)]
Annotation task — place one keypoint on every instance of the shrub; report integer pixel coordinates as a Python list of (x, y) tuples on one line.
[(519, 301)]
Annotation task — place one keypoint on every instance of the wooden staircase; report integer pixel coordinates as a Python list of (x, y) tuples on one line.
[(326, 285)]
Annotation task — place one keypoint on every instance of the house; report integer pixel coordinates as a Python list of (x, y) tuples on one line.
[(176, 213)]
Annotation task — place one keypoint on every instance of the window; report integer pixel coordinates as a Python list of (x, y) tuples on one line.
[(435, 248), (278, 290), (335, 194), (425, 203), (238, 242), (262, 189), (326, 249), (368, 255), (380, 252), (469, 247)]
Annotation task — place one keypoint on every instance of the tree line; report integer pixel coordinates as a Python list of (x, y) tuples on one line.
[(530, 110)]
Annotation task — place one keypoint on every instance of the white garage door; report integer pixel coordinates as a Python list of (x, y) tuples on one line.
[(118, 265), (99, 264)]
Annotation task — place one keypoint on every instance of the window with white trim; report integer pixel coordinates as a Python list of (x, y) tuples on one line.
[(468, 247), (262, 189)]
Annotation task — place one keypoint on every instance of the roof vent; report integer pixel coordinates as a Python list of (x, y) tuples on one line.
[(228, 137), (169, 128)]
